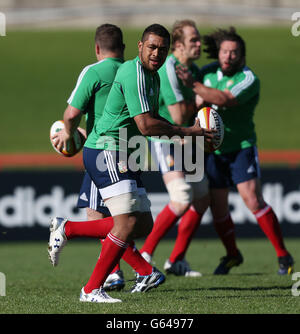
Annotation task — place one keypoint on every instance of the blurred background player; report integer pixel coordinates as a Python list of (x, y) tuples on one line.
[(88, 98), (177, 104), (232, 88)]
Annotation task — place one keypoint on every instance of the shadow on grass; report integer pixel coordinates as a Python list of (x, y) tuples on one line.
[(256, 288), (247, 274), (226, 288)]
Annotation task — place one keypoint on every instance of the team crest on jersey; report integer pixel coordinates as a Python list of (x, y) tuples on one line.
[(122, 167), (229, 83)]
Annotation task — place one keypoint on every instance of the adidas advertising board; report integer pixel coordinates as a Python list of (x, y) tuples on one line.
[(29, 199)]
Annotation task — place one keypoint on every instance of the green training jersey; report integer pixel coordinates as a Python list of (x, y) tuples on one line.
[(92, 88), (172, 89), (239, 131), (135, 91)]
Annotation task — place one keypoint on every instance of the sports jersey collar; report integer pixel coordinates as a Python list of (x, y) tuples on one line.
[(116, 59), (221, 76), (139, 60), (177, 60)]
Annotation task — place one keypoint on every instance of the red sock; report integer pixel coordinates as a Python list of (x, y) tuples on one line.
[(91, 228), (117, 266), (186, 230), (164, 221), (225, 229), (112, 250), (268, 222), (134, 258), (99, 229)]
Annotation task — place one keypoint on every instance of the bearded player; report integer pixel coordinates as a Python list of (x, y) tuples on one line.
[(233, 89)]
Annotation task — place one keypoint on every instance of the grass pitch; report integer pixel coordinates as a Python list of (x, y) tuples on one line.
[(33, 286)]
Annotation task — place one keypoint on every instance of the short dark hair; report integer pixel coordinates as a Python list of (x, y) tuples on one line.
[(213, 41), (109, 37), (158, 30)]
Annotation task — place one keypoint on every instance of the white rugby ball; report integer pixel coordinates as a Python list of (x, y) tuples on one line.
[(210, 119), (74, 145)]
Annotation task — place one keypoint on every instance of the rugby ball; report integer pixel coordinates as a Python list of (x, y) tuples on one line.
[(210, 119), (74, 145)]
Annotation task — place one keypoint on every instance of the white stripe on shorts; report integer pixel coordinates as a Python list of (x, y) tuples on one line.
[(93, 196), (111, 167), (160, 158)]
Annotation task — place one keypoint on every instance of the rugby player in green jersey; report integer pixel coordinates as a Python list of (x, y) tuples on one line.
[(188, 200), (132, 105), (88, 98), (232, 88)]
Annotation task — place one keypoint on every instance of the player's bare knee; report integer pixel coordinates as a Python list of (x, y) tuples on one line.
[(179, 208), (253, 203), (124, 226), (201, 195), (93, 214)]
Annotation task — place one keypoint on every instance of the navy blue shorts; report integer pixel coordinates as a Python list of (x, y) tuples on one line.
[(89, 196), (110, 172), (230, 169)]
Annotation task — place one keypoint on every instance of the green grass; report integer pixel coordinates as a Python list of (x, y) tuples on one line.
[(33, 286), (39, 70)]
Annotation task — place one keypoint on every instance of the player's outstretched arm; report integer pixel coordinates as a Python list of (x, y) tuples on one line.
[(150, 126), (182, 111)]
